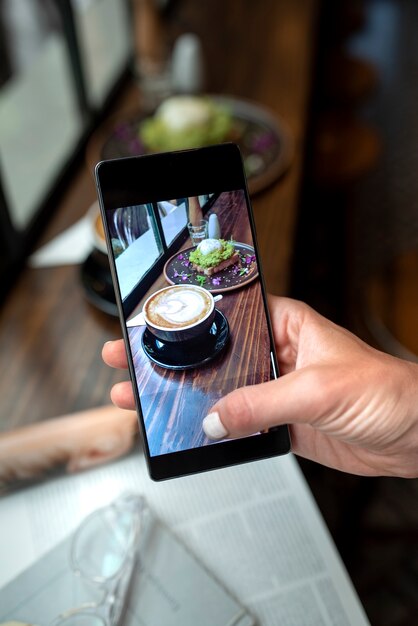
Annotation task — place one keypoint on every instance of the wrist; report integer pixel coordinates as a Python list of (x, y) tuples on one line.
[(409, 399)]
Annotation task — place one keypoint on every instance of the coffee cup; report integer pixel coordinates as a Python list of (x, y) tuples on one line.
[(96, 228), (179, 312)]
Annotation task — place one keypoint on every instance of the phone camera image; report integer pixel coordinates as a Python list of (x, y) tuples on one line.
[(190, 349), (193, 308)]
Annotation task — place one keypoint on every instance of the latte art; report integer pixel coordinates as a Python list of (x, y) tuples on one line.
[(181, 308), (178, 307)]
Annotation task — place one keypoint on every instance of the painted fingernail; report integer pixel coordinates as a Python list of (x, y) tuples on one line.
[(213, 427)]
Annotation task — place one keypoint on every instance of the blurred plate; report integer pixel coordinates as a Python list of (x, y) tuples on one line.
[(264, 139)]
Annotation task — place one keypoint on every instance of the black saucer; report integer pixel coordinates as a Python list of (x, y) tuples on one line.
[(184, 355), (97, 282)]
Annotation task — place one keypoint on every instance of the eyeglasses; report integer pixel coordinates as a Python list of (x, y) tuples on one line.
[(103, 555)]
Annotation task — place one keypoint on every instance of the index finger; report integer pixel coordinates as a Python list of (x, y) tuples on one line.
[(114, 354)]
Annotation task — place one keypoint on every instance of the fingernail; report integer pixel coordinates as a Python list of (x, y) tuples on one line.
[(213, 427)]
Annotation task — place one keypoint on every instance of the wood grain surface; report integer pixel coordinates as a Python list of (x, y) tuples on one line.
[(175, 402), (50, 336)]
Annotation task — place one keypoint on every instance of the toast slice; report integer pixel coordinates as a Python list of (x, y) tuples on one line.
[(209, 271)]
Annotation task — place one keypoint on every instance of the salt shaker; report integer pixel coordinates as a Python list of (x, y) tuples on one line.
[(214, 229), (187, 72)]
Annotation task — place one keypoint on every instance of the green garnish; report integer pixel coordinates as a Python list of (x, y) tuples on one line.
[(201, 280)]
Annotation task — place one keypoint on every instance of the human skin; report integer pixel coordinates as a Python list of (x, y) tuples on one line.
[(76, 442), (348, 406)]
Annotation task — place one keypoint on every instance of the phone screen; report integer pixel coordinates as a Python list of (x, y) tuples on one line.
[(194, 314)]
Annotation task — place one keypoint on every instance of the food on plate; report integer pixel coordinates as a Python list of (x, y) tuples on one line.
[(214, 255), (186, 122)]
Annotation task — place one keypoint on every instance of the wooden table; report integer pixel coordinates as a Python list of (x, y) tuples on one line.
[(50, 337)]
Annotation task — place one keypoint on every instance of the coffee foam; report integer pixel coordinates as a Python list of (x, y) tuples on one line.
[(177, 308)]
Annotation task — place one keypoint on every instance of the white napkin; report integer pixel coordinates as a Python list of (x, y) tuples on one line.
[(138, 320), (69, 247)]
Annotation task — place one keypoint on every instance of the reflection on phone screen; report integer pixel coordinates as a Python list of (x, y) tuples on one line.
[(193, 307)]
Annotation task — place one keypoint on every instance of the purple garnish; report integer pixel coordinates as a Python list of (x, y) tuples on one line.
[(216, 280), (263, 142), (135, 146), (123, 131)]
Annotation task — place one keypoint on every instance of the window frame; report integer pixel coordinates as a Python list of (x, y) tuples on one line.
[(130, 302), (17, 243)]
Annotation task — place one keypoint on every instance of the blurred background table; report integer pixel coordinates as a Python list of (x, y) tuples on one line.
[(50, 336)]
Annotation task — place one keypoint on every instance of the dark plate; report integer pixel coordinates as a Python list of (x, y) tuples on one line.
[(177, 271), (188, 354)]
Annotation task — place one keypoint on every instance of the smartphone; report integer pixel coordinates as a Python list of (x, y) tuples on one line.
[(187, 277)]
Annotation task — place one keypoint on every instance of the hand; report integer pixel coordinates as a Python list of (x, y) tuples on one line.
[(348, 405)]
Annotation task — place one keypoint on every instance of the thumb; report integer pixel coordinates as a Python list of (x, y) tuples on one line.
[(298, 397)]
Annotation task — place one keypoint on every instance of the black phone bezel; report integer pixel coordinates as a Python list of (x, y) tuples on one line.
[(150, 178)]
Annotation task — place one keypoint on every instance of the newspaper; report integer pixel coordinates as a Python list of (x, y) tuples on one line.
[(256, 527)]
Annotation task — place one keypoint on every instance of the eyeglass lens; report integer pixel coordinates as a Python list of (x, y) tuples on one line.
[(103, 543)]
